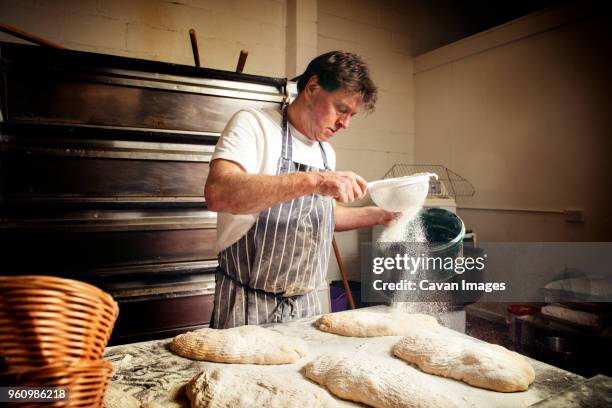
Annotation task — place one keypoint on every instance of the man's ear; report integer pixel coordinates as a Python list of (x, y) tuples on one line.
[(312, 85)]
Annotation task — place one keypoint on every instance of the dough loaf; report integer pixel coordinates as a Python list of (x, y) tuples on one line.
[(573, 316), (483, 365), (368, 324), (240, 387), (381, 382), (243, 345)]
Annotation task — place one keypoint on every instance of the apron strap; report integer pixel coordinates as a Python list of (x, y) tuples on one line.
[(242, 285), (324, 157), (283, 302), (287, 147), (286, 152)]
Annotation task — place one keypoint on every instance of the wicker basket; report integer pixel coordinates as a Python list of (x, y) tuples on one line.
[(85, 382), (45, 320)]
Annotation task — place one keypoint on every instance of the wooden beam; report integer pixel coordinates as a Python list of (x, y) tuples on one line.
[(194, 47), (242, 60), (27, 36)]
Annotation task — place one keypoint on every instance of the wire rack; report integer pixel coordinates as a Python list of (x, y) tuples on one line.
[(449, 183)]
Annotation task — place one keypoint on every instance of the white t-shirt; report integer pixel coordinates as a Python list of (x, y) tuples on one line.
[(253, 139)]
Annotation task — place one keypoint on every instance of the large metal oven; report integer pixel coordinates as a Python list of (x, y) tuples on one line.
[(103, 161)]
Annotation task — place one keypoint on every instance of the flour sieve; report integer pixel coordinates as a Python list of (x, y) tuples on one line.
[(401, 193)]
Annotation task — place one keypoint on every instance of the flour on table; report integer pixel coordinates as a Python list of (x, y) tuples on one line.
[(484, 365), (243, 345), (116, 398), (367, 324), (239, 386), (381, 382)]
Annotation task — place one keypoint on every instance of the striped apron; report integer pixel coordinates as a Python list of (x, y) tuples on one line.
[(271, 274)]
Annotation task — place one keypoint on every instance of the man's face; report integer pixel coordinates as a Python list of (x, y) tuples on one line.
[(330, 111)]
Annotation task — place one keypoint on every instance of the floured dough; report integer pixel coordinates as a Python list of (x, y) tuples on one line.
[(483, 365), (377, 381), (573, 316), (243, 345), (368, 324), (588, 286), (241, 387)]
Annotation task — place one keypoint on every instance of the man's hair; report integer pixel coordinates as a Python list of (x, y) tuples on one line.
[(342, 70)]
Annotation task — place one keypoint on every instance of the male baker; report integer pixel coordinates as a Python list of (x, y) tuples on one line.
[(272, 182)]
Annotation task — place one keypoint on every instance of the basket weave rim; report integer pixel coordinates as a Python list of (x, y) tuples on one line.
[(59, 367), (52, 283), (47, 319)]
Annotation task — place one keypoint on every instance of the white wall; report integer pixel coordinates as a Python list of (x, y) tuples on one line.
[(523, 111)]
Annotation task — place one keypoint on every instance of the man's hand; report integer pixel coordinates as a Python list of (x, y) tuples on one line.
[(348, 218), (387, 217), (343, 186)]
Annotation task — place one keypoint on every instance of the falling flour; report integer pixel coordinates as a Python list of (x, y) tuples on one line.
[(409, 230)]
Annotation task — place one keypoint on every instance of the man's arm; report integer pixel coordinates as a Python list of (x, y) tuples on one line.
[(348, 218), (229, 188)]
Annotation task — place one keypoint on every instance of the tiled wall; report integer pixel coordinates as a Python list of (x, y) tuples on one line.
[(381, 32), (377, 30), (159, 30)]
